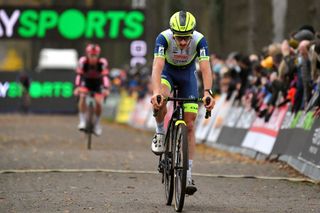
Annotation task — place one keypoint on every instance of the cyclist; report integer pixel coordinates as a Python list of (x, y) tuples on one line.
[(92, 75), (174, 64)]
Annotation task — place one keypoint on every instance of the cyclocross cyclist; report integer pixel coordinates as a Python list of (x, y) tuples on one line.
[(92, 75), (174, 64)]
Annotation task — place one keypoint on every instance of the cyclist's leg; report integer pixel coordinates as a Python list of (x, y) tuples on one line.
[(157, 142), (165, 91), (190, 118), (82, 108), (188, 88), (98, 109)]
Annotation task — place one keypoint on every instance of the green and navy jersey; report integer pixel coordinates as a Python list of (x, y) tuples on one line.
[(166, 47)]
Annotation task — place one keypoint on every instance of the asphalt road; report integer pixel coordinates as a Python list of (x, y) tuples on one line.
[(56, 173)]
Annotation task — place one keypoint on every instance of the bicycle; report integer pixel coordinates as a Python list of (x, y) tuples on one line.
[(173, 163), (89, 127)]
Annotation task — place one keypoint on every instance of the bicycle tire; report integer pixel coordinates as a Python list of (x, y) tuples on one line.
[(180, 163), (89, 126), (168, 168)]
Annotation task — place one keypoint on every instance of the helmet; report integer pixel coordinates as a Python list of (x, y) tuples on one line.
[(93, 49), (182, 23)]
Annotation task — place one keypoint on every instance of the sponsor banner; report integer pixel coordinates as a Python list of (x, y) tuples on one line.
[(296, 139), (110, 106), (246, 119), (232, 136), (295, 129), (141, 112), (58, 23), (262, 135), (50, 91), (236, 126), (126, 106), (311, 148), (204, 125), (289, 117), (283, 140), (234, 116), (225, 110)]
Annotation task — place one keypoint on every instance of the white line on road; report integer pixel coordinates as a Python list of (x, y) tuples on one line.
[(153, 172)]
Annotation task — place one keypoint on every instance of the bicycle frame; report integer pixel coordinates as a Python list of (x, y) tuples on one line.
[(173, 163)]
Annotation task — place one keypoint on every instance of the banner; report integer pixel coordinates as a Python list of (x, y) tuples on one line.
[(262, 135), (225, 110), (110, 106), (142, 110), (295, 130), (283, 140), (311, 148), (126, 106), (236, 127), (59, 23), (50, 91), (204, 125)]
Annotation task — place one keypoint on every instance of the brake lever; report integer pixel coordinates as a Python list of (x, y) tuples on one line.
[(155, 112)]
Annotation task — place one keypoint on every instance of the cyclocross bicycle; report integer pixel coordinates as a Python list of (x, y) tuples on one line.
[(173, 163)]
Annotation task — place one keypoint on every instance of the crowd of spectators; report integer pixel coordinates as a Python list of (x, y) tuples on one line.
[(286, 72), (135, 80)]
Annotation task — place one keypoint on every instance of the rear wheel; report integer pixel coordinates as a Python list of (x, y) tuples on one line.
[(180, 163), (168, 170)]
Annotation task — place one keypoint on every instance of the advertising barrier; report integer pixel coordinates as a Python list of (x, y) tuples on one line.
[(295, 138), (262, 135)]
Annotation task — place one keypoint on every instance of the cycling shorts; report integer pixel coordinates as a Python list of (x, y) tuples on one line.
[(185, 78)]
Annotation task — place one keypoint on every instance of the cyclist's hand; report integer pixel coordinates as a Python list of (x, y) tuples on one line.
[(209, 106), (155, 102)]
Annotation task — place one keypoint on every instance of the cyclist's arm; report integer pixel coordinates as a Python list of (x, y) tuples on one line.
[(203, 56), (79, 71), (105, 73), (158, 63), (206, 75)]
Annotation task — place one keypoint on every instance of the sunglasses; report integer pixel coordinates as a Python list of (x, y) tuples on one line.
[(180, 38)]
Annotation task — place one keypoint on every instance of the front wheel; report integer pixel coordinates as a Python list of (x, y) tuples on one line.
[(180, 164), (89, 125), (168, 168)]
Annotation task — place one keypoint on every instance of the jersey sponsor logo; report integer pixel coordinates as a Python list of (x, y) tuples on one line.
[(180, 58), (203, 52), (161, 50)]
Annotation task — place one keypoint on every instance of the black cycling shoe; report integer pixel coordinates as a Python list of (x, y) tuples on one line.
[(191, 188)]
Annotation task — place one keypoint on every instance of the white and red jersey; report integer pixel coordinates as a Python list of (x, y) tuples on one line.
[(92, 73)]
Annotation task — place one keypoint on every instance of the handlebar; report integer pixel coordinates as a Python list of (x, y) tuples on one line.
[(185, 100)]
